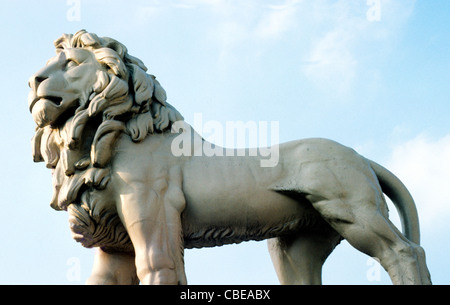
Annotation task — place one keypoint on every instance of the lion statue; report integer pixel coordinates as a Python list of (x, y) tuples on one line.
[(106, 130)]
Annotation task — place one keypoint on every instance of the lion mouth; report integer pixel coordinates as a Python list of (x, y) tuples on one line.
[(52, 109), (56, 100)]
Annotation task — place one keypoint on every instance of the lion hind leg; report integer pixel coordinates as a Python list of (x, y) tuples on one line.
[(375, 235), (298, 258), (351, 201)]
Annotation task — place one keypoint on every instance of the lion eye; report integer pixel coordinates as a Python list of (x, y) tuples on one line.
[(70, 64)]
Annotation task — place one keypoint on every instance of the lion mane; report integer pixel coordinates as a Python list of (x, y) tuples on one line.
[(124, 99)]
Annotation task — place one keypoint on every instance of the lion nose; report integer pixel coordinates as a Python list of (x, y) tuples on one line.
[(35, 81)]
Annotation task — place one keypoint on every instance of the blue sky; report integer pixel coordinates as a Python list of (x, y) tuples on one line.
[(321, 68)]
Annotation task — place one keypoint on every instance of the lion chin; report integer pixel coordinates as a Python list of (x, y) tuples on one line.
[(51, 110), (45, 112)]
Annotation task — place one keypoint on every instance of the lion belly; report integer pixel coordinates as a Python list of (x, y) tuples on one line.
[(231, 201)]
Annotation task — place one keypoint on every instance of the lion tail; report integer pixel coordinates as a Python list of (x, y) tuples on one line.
[(402, 199)]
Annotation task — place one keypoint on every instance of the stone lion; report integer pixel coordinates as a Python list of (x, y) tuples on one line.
[(106, 130)]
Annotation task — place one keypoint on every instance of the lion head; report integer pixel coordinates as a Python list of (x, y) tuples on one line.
[(94, 75), (85, 97)]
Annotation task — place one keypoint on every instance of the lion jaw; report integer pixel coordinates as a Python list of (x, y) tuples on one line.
[(47, 111)]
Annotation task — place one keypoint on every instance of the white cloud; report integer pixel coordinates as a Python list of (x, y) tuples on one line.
[(340, 34), (423, 164), (331, 62), (239, 23), (336, 29), (248, 26), (277, 20), (331, 38)]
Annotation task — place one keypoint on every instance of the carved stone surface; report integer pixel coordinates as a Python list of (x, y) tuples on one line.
[(106, 130)]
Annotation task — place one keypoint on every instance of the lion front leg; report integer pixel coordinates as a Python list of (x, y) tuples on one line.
[(151, 215), (154, 262), (113, 269)]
